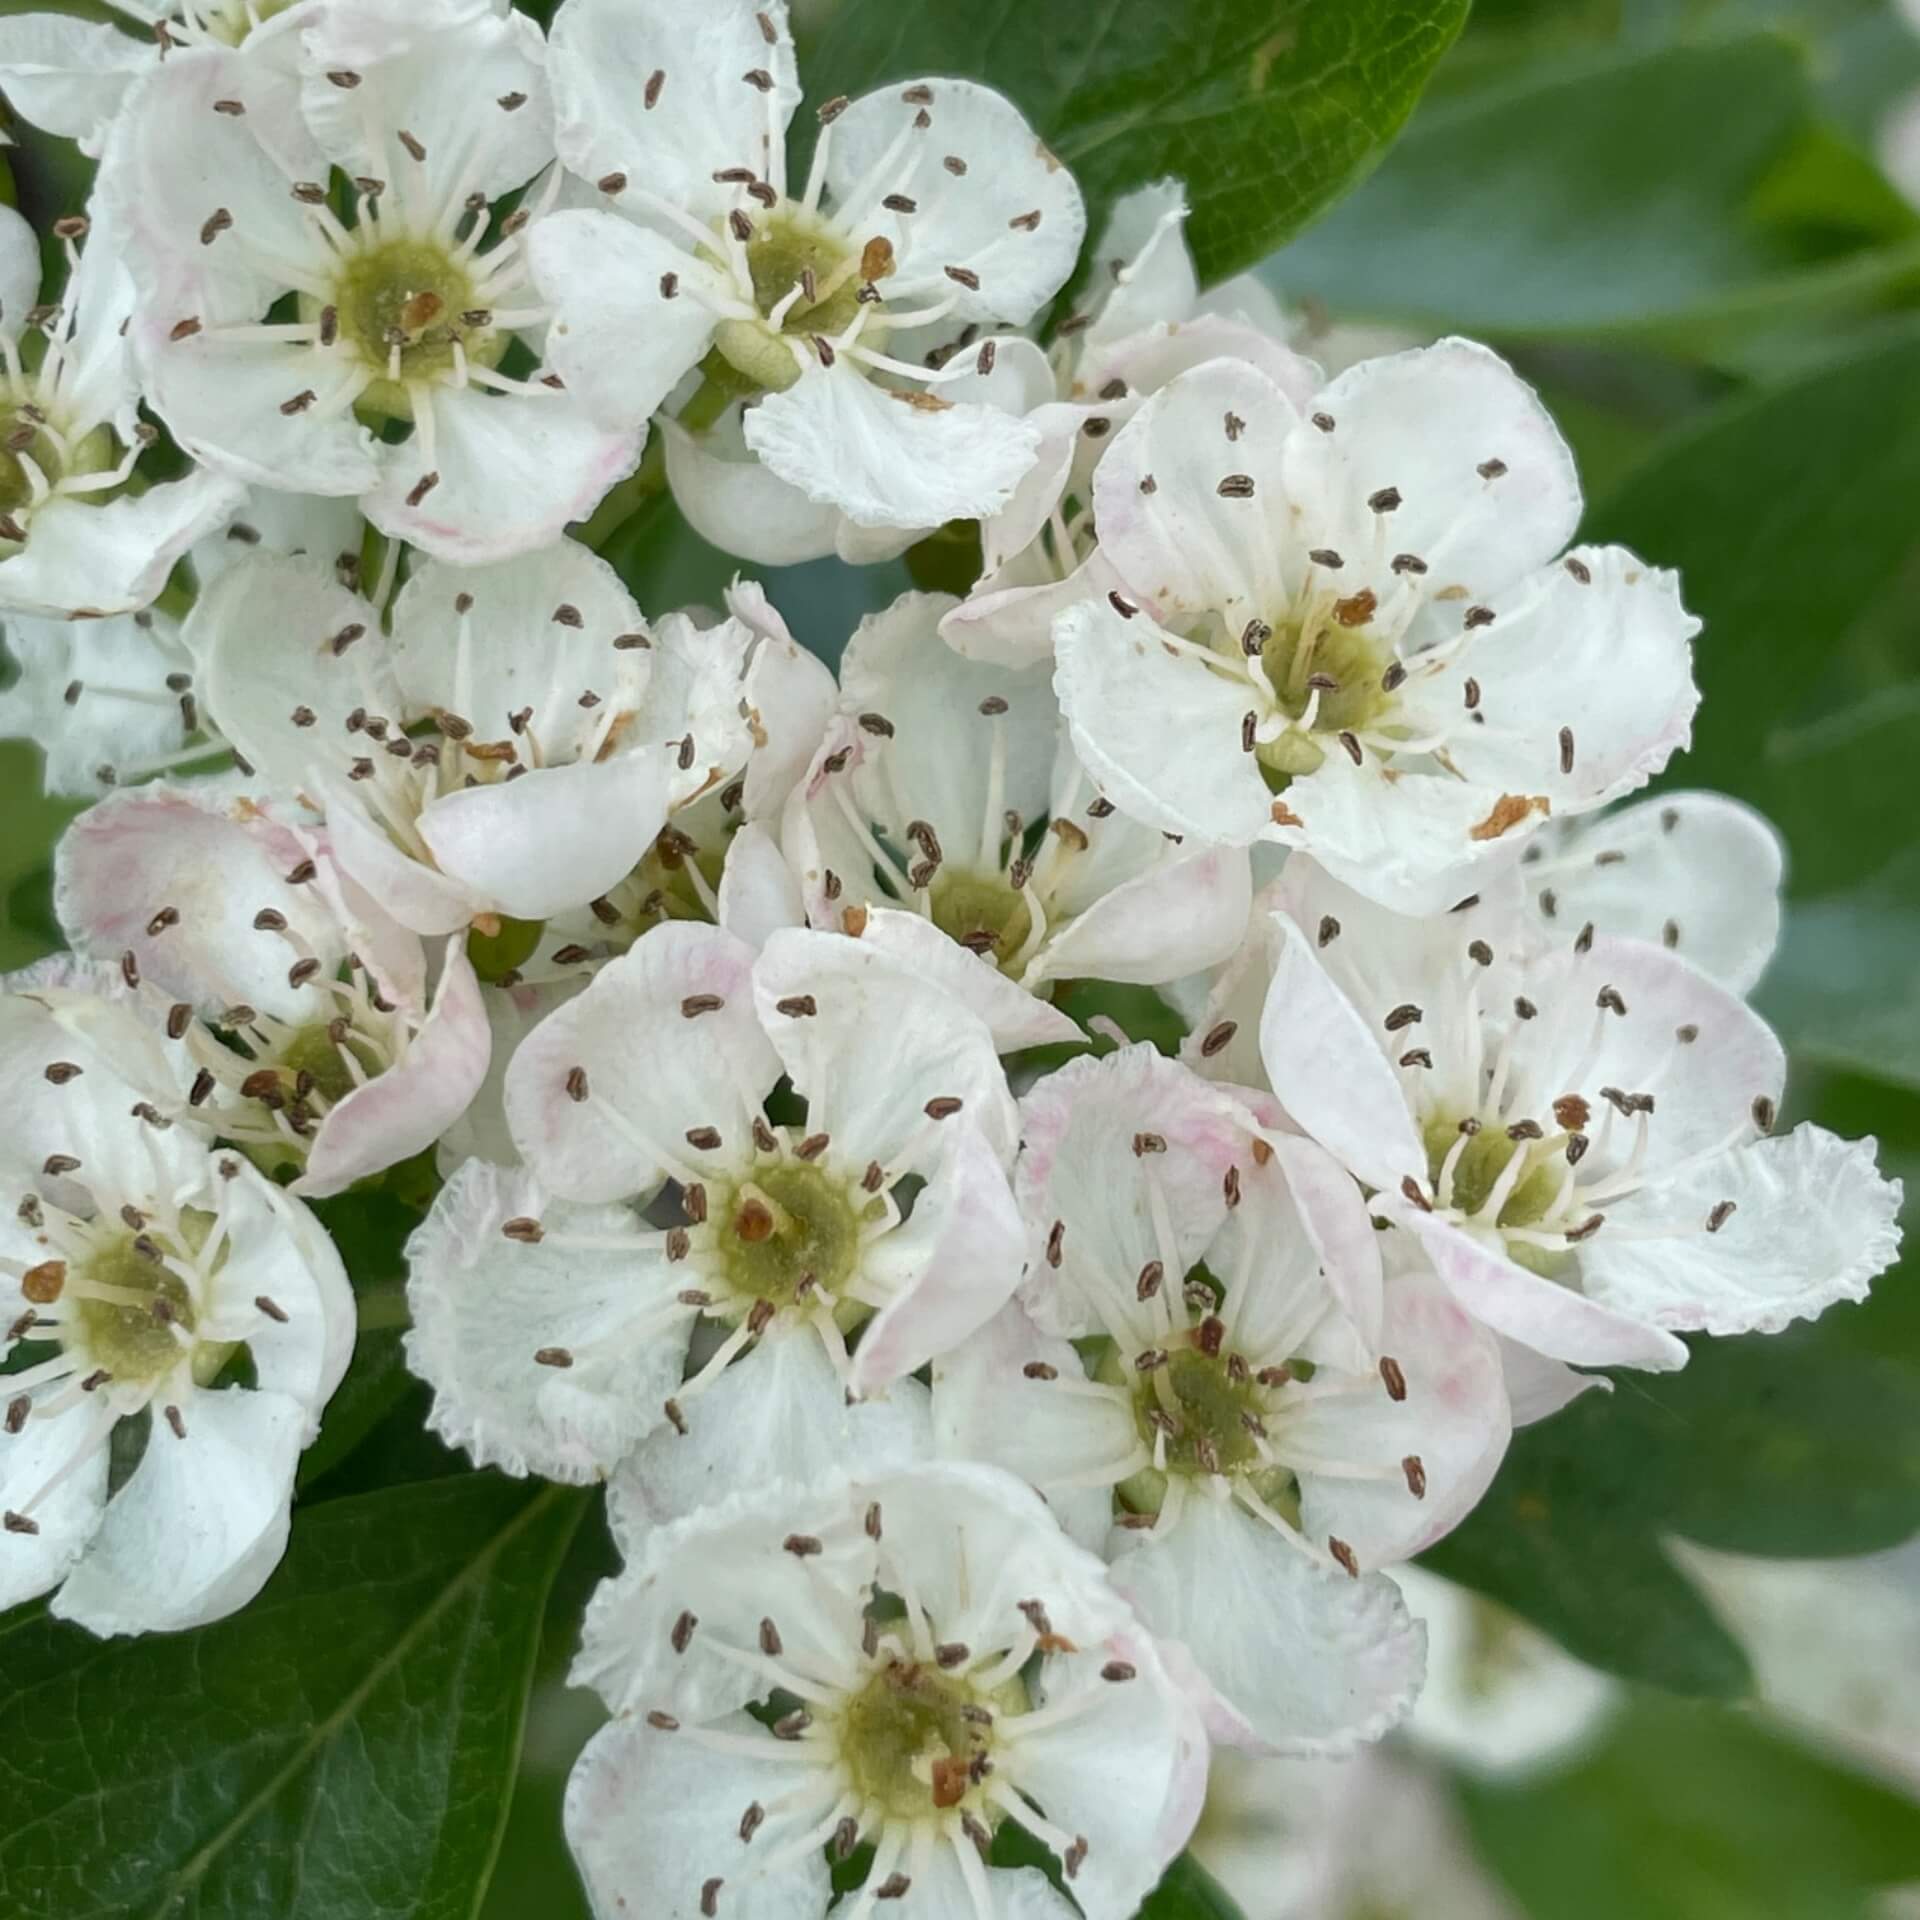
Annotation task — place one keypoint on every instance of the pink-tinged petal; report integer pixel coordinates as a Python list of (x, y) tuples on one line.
[(404, 1110), (617, 340), (1452, 1422), (1328, 1071), (879, 1043), (1486, 486), (1812, 1222), (882, 457), (1183, 547), (1554, 1319), (553, 840), (1697, 872), (758, 894), (485, 1305), (1010, 218), (175, 877), (418, 896), (698, 118), (950, 1267), (200, 1523), (1157, 728), (602, 1093), (513, 470), (1182, 916), (1226, 1590), (1088, 1172), (1015, 1017)]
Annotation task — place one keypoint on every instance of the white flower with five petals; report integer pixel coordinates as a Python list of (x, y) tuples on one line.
[(142, 1260), (942, 1660), (1581, 1136), (1348, 628), (434, 109), (927, 208)]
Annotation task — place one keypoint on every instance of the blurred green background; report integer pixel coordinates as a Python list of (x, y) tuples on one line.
[(1674, 216)]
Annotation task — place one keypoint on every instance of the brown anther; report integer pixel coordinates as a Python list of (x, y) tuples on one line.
[(695, 1004), (1151, 1275), (1235, 486), (943, 1107), (552, 1357), (576, 1083)]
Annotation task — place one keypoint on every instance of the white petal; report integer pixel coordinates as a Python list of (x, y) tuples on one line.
[(1424, 423), (880, 1044), (1697, 869), (758, 893), (1814, 1222), (317, 526), (1142, 261), (19, 246), (1181, 545), (950, 1267), (200, 1523), (620, 343), (886, 458), (779, 1411), (67, 76), (417, 895), (651, 1817), (151, 851), (66, 1517), (1079, 1166), (91, 560), (1008, 618), (554, 840), (442, 70), (1228, 1589), (1538, 1387), (658, 1070), (1159, 730), (512, 1013), (484, 1305), (703, 116), (1182, 915), (404, 1110), (790, 693), (1015, 1017), (959, 219)]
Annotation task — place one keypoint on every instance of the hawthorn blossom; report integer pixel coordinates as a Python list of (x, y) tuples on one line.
[(336, 1060), (1582, 1138), (945, 797), (73, 539), (1697, 872), (556, 1324), (927, 208), (113, 701), (906, 1661), (1344, 628), (433, 110), (538, 782), (1208, 1378), (145, 1261), (1146, 323)]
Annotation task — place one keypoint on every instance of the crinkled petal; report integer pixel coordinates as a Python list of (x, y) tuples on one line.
[(656, 1061), (886, 458), (200, 1523), (485, 1306), (1229, 1590)]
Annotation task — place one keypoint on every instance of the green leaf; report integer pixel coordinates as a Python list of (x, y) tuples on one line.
[(29, 825), (1656, 193), (1691, 1813), (1187, 1891), (1267, 110), (343, 1747)]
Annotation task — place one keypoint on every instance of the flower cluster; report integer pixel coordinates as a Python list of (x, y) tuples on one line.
[(992, 1412)]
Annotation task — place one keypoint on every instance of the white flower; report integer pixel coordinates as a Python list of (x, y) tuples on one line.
[(1345, 628), (145, 1259), (340, 1061), (1696, 872), (72, 540), (1579, 1136), (927, 208), (942, 1660), (543, 779), (556, 1325), (945, 810), (1238, 1502), (434, 109), (1146, 323), (113, 701)]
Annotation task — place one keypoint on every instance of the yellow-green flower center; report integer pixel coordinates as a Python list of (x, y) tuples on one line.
[(790, 1231), (913, 1739), (1478, 1168), (791, 248), (126, 1301), (24, 439), (1330, 669), (982, 912)]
